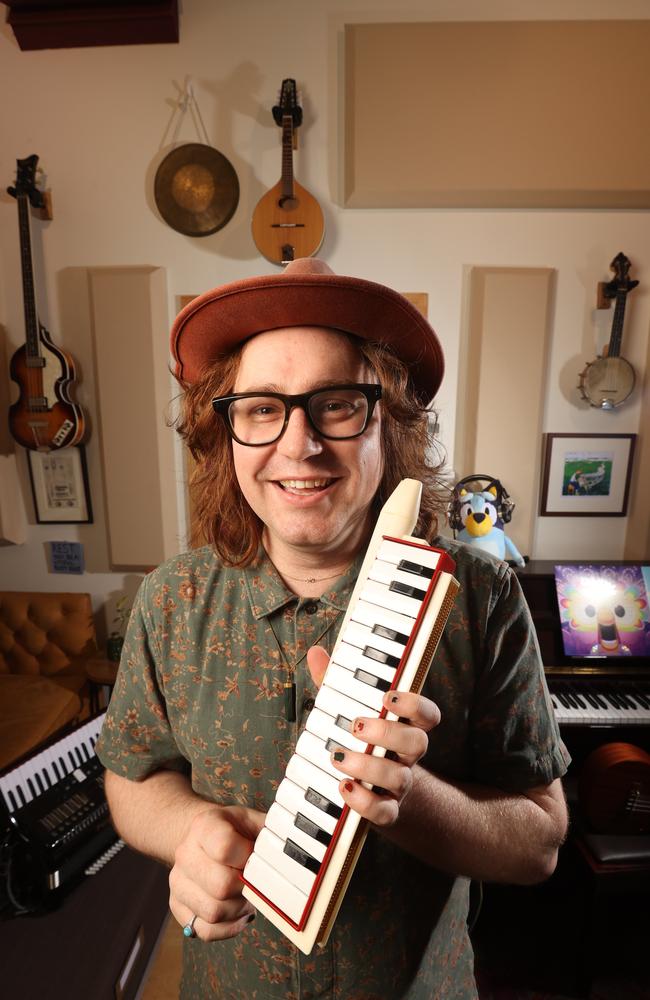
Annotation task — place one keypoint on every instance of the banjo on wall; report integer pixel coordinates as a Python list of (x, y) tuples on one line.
[(608, 381)]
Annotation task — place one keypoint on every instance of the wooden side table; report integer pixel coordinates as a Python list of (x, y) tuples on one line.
[(101, 673)]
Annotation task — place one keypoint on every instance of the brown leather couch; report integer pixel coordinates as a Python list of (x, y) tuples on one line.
[(45, 640)]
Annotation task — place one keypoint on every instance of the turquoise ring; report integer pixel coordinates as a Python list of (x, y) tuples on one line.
[(188, 930)]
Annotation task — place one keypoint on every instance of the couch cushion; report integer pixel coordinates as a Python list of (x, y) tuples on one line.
[(47, 634), (31, 709)]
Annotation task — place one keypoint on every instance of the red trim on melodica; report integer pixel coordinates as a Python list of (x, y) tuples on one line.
[(445, 565)]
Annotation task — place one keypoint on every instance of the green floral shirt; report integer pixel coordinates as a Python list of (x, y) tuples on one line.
[(200, 689)]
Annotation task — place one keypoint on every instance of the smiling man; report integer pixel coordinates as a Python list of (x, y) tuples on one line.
[(305, 399)]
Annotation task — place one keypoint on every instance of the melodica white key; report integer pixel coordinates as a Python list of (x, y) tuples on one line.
[(304, 857)]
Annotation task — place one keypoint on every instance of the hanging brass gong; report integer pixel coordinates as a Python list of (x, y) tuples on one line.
[(196, 189)]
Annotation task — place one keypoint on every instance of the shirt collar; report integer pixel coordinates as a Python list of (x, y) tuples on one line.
[(267, 593)]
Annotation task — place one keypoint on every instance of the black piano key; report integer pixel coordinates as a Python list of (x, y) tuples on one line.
[(332, 746), (642, 698), (381, 657), (302, 857), (31, 787), (321, 802), (371, 680), (57, 770), (390, 633), (407, 590), (46, 778), (578, 697), (411, 567), (13, 799), (309, 827), (38, 783), (344, 723), (23, 800)]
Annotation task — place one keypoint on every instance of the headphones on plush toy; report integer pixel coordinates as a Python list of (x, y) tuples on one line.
[(504, 504)]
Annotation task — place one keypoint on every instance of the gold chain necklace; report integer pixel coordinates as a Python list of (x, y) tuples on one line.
[(289, 685), (313, 579)]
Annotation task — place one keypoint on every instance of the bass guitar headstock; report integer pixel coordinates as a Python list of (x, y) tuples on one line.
[(26, 182), (287, 105)]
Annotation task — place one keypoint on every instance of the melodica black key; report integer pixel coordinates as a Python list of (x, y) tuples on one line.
[(304, 857)]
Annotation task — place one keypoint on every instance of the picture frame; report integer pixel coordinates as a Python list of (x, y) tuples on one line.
[(59, 481), (586, 475)]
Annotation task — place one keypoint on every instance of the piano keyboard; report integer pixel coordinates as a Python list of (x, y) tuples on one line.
[(601, 702), (304, 857), (55, 802), (44, 770)]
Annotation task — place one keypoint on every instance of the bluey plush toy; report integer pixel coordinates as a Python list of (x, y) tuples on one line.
[(477, 516)]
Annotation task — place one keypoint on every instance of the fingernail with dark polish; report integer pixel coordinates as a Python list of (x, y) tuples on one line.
[(348, 786), (250, 918), (339, 756)]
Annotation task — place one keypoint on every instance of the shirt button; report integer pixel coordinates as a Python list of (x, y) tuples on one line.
[(308, 704), (311, 607)]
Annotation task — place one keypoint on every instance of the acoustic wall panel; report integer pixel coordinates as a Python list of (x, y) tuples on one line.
[(131, 336), (498, 114), (503, 365)]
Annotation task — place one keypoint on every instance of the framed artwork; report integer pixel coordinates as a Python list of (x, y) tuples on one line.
[(59, 481), (586, 475)]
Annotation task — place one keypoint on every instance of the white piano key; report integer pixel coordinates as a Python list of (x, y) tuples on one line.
[(383, 572), (325, 727), (283, 824), (307, 775), (313, 749), (394, 552), (290, 900), (271, 848), (352, 658), (360, 635), (292, 797), (373, 615), (344, 681), (335, 703), (22, 774), (378, 593)]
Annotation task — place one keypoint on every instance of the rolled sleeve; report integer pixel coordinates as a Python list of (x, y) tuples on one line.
[(136, 738)]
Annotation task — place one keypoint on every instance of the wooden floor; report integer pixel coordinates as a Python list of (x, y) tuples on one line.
[(164, 975)]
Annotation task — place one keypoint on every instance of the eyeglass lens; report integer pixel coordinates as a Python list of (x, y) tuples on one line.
[(335, 413)]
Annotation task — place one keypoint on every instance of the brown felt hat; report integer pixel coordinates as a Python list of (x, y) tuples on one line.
[(305, 293)]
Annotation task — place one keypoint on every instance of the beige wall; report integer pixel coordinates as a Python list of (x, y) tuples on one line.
[(99, 120)]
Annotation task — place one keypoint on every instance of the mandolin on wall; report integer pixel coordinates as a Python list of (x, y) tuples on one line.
[(287, 220), (44, 416)]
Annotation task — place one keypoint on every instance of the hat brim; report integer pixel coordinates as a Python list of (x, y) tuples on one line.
[(223, 318)]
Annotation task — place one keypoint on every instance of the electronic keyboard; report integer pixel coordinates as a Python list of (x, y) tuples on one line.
[(305, 855), (53, 806)]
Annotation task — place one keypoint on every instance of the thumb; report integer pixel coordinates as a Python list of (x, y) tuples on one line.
[(317, 661)]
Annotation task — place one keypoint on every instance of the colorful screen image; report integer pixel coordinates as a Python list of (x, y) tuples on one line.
[(604, 610)]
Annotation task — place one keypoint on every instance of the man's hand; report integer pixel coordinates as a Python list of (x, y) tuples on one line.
[(406, 740), (205, 877)]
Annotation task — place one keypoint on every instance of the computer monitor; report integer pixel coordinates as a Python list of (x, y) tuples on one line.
[(604, 611)]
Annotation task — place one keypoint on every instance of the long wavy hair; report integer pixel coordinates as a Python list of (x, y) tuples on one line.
[(222, 515)]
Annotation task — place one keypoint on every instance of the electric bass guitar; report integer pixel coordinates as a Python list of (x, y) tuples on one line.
[(609, 380), (287, 221), (44, 416), (614, 789)]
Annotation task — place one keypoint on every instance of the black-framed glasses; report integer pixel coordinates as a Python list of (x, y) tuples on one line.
[(336, 412)]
